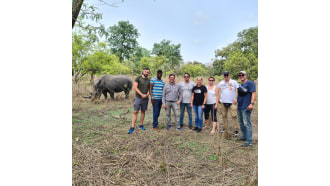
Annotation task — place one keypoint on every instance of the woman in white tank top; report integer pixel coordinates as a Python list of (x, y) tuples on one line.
[(211, 104)]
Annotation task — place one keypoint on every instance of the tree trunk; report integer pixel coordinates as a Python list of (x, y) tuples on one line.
[(75, 10), (92, 79)]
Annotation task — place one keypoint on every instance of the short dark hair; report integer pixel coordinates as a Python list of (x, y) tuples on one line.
[(146, 69), (171, 75), (187, 73), (211, 77)]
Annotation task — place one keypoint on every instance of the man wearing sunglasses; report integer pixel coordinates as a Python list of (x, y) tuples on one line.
[(245, 99), (228, 101), (186, 87)]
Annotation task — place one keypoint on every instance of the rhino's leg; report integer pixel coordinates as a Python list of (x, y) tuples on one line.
[(105, 95), (112, 95), (127, 93)]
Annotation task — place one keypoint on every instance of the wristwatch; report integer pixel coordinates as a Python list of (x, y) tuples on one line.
[(252, 103)]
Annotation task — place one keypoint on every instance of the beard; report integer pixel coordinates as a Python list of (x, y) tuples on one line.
[(145, 75)]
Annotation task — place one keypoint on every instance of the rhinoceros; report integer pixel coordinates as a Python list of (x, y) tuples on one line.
[(111, 83)]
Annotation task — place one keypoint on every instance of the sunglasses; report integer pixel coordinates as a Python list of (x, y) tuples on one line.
[(241, 75), (226, 75), (185, 76), (211, 80)]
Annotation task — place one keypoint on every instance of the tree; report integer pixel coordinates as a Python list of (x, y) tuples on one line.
[(194, 69), (81, 47), (242, 54), (248, 40), (122, 39), (76, 7), (82, 11), (170, 51)]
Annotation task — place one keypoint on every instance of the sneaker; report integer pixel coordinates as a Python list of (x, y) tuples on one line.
[(131, 130), (241, 139), (168, 127), (179, 129), (195, 128), (141, 127), (223, 130), (236, 133), (156, 129), (181, 125), (190, 127), (199, 130), (247, 145)]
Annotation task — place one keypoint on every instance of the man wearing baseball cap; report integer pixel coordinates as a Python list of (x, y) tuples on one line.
[(228, 103), (245, 99)]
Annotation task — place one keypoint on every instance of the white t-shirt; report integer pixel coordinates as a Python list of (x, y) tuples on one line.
[(186, 91), (228, 91)]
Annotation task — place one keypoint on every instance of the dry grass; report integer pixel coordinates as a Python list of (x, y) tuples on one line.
[(104, 154)]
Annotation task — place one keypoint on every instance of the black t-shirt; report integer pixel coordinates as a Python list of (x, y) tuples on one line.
[(199, 94)]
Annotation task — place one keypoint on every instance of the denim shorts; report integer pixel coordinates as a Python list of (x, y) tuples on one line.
[(140, 103)]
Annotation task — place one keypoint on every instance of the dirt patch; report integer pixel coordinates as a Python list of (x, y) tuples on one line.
[(104, 154)]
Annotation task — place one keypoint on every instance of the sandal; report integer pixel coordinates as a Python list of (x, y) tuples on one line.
[(212, 132), (205, 127)]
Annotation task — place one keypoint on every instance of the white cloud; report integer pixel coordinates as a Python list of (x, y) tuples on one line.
[(200, 18)]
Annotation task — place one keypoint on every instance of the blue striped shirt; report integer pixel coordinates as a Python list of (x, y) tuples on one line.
[(157, 89)]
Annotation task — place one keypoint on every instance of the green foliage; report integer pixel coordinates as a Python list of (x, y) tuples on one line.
[(86, 17), (122, 39), (113, 66), (240, 55), (81, 47), (159, 62), (170, 51), (194, 70), (145, 62)]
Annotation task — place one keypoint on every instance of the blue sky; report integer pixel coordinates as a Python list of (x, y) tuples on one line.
[(200, 27)]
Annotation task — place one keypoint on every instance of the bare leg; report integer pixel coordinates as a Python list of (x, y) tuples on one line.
[(207, 123), (143, 112), (213, 127), (135, 113)]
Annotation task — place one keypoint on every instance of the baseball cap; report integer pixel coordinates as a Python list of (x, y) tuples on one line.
[(159, 71), (242, 72), (226, 73)]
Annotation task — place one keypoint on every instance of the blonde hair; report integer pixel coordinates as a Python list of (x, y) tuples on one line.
[(199, 78)]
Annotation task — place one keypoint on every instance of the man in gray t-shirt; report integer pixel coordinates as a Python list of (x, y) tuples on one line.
[(185, 92)]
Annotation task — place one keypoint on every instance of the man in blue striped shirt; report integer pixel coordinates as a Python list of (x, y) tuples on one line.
[(156, 91)]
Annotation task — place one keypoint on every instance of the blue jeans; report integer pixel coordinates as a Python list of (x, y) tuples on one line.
[(156, 110), (198, 115), (182, 108), (244, 119)]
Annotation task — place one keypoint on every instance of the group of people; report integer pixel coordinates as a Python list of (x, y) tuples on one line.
[(234, 98)]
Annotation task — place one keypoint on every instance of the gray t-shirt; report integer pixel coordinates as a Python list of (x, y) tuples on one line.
[(185, 91)]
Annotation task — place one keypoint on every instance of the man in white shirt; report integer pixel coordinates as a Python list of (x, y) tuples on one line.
[(228, 102)]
